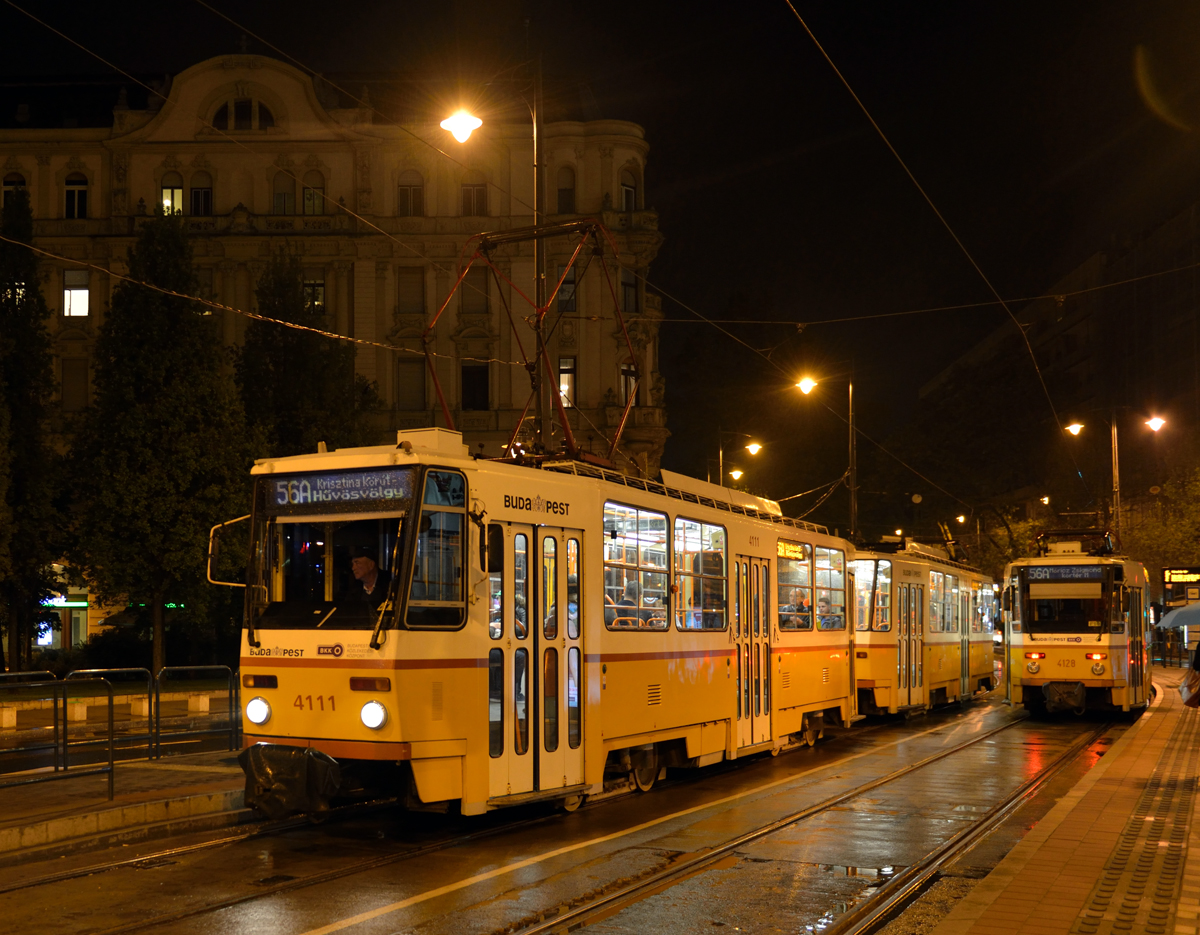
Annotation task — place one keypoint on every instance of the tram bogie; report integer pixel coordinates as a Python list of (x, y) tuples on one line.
[(532, 633), (924, 629), (1076, 624)]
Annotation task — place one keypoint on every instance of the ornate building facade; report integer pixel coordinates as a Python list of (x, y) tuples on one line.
[(258, 157)]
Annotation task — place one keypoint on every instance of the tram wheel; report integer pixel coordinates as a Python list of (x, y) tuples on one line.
[(572, 802), (812, 735), (645, 778)]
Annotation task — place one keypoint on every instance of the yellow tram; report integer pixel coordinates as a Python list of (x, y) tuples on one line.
[(488, 634), (1076, 625), (928, 639)]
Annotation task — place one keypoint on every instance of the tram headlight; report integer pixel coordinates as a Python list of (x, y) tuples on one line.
[(373, 714), (1033, 667), (258, 711), (1098, 668)]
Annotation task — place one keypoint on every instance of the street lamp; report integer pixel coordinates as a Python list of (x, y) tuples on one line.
[(754, 448), (461, 124), (806, 386), (1154, 423)]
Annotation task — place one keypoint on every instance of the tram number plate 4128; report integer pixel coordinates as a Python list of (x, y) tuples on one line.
[(1063, 663), (318, 702)]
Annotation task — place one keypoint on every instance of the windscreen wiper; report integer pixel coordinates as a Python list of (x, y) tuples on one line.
[(390, 596)]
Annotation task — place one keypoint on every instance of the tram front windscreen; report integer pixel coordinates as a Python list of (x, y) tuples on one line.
[(1072, 599), (327, 547)]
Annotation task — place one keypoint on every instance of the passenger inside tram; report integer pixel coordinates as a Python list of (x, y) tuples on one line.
[(827, 618)]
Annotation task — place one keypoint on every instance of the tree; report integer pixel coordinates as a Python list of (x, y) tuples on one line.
[(164, 453), (26, 388), (300, 388)]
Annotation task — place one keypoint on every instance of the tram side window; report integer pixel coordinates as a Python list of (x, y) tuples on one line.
[(950, 607), (794, 594), (699, 575), (937, 597), (635, 568), (495, 570), (436, 596), (870, 575), (831, 589), (573, 573)]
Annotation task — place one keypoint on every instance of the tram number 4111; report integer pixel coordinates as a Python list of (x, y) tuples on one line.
[(306, 701)]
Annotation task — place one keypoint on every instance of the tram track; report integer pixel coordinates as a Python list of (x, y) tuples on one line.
[(581, 907), (862, 918)]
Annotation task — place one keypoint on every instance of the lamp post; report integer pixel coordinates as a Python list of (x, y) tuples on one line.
[(754, 448), (461, 125), (806, 386), (1154, 424)]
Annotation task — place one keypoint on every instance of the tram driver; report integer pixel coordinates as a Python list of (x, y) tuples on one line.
[(370, 583)]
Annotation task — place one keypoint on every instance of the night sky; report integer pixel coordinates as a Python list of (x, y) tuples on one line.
[(1023, 121)]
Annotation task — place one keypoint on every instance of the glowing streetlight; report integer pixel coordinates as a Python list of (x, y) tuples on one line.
[(961, 519), (807, 385), (1045, 500), (754, 448), (735, 474), (461, 125), (1156, 423), (1075, 428), (899, 532)]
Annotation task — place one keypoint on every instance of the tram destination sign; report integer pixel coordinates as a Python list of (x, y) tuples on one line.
[(340, 491), (1066, 573)]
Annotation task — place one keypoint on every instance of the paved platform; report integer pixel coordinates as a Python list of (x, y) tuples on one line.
[(151, 798), (1117, 853)]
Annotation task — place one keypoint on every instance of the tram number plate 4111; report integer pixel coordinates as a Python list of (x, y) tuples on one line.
[(1063, 663), (316, 702)]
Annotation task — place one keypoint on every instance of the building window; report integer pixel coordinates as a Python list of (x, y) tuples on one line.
[(629, 382), (202, 203), (628, 191), (74, 384), (566, 190), (242, 114), (474, 201), (474, 291), (204, 283), (566, 292), (410, 195), (410, 290), (13, 182), (77, 195), (220, 119), (266, 119), (75, 293), (284, 189), (566, 380), (172, 194), (410, 384), (699, 575), (475, 386), (635, 568), (629, 292), (314, 291), (314, 192)]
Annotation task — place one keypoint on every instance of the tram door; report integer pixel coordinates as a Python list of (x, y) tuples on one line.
[(910, 646), (1135, 632), (535, 659), (752, 634), (966, 618)]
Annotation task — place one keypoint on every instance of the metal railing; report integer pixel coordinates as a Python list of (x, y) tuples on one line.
[(151, 713), (61, 755), (233, 729), (42, 675), (1170, 653)]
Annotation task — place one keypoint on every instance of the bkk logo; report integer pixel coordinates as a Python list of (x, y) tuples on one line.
[(335, 650), (537, 505)]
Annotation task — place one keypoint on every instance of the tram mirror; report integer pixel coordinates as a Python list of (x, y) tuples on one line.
[(1006, 599), (1125, 600), (494, 556), (214, 551)]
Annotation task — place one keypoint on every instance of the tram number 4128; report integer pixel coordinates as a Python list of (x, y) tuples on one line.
[(303, 701), (1063, 663)]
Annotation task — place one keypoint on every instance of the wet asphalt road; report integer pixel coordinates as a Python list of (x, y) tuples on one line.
[(535, 860)]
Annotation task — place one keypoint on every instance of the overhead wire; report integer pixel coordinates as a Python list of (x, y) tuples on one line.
[(954, 236)]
